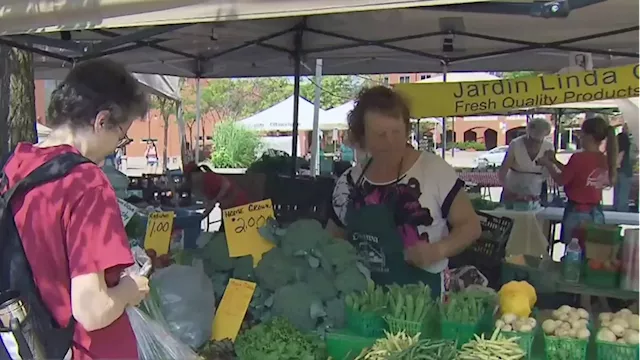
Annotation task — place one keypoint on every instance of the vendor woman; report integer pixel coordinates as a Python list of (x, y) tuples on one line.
[(585, 175), (405, 211), (212, 188)]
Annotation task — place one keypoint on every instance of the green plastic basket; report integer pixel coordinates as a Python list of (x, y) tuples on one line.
[(602, 279), (365, 324), (342, 345), (429, 328), (458, 332), (556, 348), (603, 234), (525, 340), (615, 351)]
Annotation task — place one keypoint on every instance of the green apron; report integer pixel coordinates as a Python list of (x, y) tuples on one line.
[(372, 230)]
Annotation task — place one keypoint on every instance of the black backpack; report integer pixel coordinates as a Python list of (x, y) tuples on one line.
[(16, 276)]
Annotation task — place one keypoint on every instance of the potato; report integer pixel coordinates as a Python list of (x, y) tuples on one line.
[(549, 326)]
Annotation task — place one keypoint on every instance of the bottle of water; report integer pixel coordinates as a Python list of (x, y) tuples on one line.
[(572, 262)]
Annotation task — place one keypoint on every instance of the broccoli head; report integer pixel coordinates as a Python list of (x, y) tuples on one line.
[(335, 309), (243, 268), (351, 280), (302, 236), (215, 254), (275, 270), (321, 283), (339, 254), (293, 302)]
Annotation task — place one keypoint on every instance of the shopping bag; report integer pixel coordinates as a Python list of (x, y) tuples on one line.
[(155, 342)]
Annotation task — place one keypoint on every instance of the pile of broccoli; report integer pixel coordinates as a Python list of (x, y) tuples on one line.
[(303, 279)]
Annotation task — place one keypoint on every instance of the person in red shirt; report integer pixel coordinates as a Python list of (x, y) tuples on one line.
[(71, 229), (212, 188), (585, 175)]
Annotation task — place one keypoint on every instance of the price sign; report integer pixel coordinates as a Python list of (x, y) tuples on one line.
[(158, 236), (241, 228), (126, 211), (232, 309)]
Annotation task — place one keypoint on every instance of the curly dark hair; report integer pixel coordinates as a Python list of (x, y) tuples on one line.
[(94, 86), (380, 99)]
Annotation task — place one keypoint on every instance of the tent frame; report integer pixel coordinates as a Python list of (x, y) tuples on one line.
[(144, 38)]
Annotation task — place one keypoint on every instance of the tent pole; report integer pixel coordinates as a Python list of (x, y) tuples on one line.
[(315, 140), (198, 120), (444, 119), (297, 69)]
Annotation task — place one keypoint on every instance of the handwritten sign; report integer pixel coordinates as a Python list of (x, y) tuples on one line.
[(241, 228), (232, 309), (158, 236), (126, 211)]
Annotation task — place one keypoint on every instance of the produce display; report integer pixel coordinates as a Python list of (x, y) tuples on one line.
[(400, 346), (388, 346), (467, 307), (410, 302), (512, 323), (621, 327), (373, 300), (304, 278), (517, 297), (278, 339), (497, 347), (568, 322), (310, 283)]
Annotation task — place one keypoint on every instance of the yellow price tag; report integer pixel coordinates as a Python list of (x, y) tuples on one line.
[(158, 236), (232, 309), (241, 225)]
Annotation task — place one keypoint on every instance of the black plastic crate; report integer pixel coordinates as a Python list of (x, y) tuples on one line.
[(487, 252), (493, 242), (300, 198)]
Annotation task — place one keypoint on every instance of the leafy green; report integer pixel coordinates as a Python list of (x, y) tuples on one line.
[(278, 339)]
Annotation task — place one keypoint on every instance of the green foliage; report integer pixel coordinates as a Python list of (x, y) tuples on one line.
[(336, 90), (236, 99), (519, 74), (466, 145), (278, 340), (234, 146)]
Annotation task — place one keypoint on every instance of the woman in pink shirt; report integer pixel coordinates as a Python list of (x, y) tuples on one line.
[(71, 229), (585, 175)]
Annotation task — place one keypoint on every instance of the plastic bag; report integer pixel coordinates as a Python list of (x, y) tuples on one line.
[(187, 301), (155, 342)]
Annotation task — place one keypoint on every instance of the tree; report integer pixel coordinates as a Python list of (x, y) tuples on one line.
[(519, 74), (336, 90), (17, 95), (234, 146), (234, 99), (166, 107)]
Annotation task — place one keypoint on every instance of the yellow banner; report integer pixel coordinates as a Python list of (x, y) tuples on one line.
[(497, 96)]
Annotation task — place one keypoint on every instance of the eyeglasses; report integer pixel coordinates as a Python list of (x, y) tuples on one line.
[(124, 139)]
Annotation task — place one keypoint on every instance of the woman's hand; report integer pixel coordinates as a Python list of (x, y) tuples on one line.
[(424, 254)]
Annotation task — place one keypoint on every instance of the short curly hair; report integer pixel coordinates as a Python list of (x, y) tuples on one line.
[(380, 99), (94, 86)]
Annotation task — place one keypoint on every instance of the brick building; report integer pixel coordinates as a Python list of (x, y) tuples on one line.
[(490, 130), (150, 128)]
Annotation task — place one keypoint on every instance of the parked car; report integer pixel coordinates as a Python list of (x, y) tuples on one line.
[(493, 157)]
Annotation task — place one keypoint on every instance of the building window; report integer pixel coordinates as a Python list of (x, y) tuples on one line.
[(385, 80), (404, 79), (422, 77)]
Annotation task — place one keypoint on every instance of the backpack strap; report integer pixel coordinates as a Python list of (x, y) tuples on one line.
[(53, 169)]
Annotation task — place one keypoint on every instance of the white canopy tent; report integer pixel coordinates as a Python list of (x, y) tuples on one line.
[(279, 117), (336, 118)]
